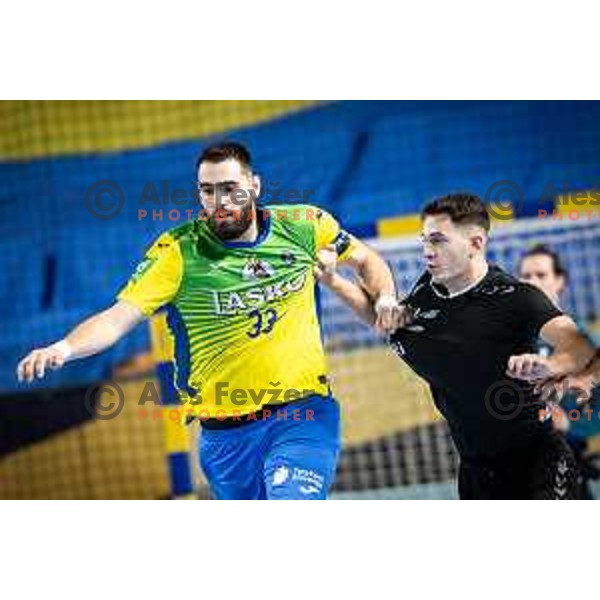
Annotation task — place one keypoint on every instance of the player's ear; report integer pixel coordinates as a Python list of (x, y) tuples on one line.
[(478, 239), (256, 184)]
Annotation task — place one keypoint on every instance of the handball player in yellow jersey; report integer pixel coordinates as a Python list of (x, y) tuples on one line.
[(242, 305)]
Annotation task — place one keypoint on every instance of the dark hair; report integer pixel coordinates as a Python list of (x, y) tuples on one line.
[(543, 250), (462, 208), (216, 153)]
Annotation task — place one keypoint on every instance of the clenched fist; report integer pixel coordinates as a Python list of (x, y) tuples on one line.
[(326, 264), (529, 367), (390, 314)]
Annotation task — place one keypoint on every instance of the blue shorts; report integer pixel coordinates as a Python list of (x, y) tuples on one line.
[(290, 455)]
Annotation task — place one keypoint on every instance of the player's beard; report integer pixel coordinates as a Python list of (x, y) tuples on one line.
[(233, 227)]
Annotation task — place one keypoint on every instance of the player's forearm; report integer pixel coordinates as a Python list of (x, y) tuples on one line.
[(572, 350), (355, 297), (92, 336), (572, 357), (376, 274), (101, 331), (593, 370)]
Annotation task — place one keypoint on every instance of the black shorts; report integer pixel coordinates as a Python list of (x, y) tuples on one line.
[(547, 470)]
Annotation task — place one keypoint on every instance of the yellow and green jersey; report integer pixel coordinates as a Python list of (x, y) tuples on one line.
[(244, 316)]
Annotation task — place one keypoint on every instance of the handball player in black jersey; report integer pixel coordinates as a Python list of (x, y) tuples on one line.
[(470, 331)]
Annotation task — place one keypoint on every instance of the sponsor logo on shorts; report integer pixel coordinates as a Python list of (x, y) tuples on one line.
[(309, 482), (281, 475), (309, 489), (312, 482)]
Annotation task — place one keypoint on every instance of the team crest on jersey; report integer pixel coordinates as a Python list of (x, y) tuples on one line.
[(288, 258), (256, 268)]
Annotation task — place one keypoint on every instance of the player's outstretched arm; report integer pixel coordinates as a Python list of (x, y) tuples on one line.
[(92, 336), (572, 353)]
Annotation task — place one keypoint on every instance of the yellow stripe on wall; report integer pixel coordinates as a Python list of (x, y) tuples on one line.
[(39, 128), (501, 215), (407, 225), (411, 224), (579, 201)]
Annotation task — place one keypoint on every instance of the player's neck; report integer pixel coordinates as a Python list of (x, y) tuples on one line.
[(478, 269), (250, 235)]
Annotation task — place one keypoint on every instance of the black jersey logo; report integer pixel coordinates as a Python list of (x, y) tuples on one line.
[(497, 290), (397, 346), (428, 314), (418, 314)]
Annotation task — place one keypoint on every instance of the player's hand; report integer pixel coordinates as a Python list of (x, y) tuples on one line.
[(530, 367), (406, 316), (37, 362), (555, 390), (390, 314), (326, 264)]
